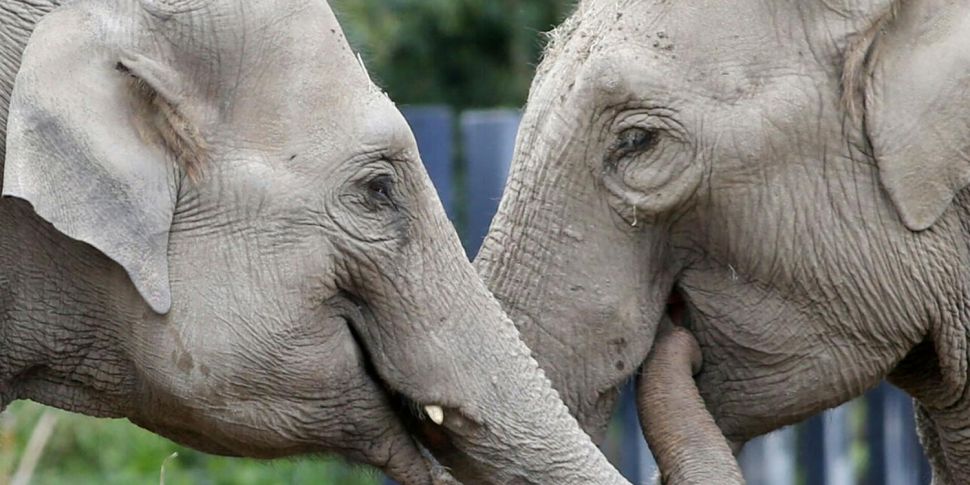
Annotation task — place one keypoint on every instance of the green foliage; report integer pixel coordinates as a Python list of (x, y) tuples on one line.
[(85, 450), (465, 53)]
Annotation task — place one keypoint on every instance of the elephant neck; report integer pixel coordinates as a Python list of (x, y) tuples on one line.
[(64, 309)]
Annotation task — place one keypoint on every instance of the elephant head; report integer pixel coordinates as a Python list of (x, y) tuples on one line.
[(217, 226), (792, 171)]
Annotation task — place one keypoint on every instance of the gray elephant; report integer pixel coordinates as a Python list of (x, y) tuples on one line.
[(794, 171), (217, 226)]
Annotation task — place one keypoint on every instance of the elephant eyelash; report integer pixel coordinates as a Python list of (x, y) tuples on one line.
[(630, 142), (380, 186), (380, 190)]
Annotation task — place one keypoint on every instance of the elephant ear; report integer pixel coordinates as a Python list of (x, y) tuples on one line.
[(87, 144), (918, 106)]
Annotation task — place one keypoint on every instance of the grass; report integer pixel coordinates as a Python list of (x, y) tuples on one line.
[(85, 450)]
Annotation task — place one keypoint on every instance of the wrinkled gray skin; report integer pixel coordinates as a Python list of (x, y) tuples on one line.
[(685, 440), (795, 169), (303, 293)]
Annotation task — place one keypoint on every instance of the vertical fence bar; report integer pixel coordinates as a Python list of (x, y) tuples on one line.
[(877, 472), (635, 460), (488, 140), (838, 445), (811, 448), (434, 130), (770, 459), (895, 454), (825, 448)]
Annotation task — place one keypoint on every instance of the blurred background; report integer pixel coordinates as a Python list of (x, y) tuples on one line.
[(460, 70)]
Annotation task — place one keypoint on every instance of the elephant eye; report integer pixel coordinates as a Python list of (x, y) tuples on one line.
[(381, 189), (631, 142)]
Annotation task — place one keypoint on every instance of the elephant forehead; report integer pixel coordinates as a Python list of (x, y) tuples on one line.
[(291, 82), (228, 35), (724, 50), (317, 126), (256, 54)]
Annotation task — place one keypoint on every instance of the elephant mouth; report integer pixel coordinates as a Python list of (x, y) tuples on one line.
[(412, 415), (676, 307)]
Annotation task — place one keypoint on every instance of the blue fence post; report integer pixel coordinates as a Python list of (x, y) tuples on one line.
[(811, 450), (636, 461), (825, 445), (488, 140), (434, 130), (895, 454), (770, 459)]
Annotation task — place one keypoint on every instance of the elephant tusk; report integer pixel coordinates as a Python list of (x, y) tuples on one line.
[(436, 414)]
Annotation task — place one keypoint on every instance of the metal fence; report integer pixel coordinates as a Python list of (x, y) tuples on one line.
[(870, 441)]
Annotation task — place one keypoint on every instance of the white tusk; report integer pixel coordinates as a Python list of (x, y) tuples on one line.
[(363, 66), (436, 414)]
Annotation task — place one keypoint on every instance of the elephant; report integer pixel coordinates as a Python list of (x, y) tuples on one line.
[(794, 172), (216, 225), (686, 441)]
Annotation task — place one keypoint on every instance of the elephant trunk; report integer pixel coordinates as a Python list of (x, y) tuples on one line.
[(441, 340), (524, 434), (502, 420), (685, 440)]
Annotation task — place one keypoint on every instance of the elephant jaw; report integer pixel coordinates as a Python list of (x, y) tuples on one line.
[(427, 421)]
